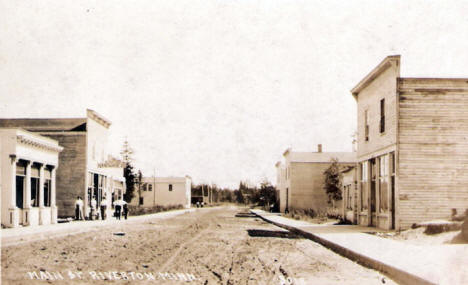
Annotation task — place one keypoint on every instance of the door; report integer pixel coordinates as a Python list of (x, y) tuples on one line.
[(373, 217), (286, 210), (19, 191)]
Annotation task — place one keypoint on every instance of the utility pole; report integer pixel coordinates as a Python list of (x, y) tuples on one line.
[(154, 187)]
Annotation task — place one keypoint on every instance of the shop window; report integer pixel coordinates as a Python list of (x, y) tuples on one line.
[(364, 181), (35, 185), (47, 191), (383, 183)]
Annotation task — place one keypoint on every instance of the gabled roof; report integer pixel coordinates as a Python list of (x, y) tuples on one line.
[(379, 69), (321, 157)]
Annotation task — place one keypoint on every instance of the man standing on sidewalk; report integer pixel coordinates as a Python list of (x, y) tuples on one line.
[(103, 208), (78, 208)]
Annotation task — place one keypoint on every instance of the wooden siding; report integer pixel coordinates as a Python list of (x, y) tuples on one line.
[(382, 87), (71, 173), (307, 186), (433, 149)]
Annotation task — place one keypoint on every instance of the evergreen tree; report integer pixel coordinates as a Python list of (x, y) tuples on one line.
[(129, 173), (333, 181)]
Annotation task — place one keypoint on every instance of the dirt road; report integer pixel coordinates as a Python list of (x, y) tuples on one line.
[(205, 247)]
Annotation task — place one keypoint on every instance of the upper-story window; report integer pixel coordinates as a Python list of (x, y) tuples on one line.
[(150, 187), (382, 115), (170, 187), (366, 125)]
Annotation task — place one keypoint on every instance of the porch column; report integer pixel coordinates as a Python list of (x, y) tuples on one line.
[(14, 160), (53, 207), (358, 190), (13, 211), (368, 191), (27, 189), (377, 189), (41, 186), (389, 191), (27, 195), (41, 194)]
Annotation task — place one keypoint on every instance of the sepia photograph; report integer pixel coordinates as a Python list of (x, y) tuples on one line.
[(273, 142)]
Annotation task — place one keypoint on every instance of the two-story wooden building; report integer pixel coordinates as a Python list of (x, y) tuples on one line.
[(301, 178), (412, 147), (163, 191)]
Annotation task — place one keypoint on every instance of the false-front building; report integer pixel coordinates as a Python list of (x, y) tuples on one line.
[(163, 191), (412, 147), (301, 178), (28, 167), (84, 170)]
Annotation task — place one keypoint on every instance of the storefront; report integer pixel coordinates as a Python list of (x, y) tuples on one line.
[(29, 163)]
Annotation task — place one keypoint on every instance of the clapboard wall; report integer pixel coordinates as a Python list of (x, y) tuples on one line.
[(433, 148)]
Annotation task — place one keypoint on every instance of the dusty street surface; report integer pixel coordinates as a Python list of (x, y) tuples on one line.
[(211, 246)]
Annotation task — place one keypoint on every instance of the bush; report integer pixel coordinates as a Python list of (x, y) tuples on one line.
[(137, 211)]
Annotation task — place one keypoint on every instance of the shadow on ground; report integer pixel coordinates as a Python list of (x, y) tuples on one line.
[(268, 233), (245, 215)]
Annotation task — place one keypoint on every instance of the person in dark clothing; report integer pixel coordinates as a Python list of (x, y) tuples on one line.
[(125, 210), (79, 209), (118, 208)]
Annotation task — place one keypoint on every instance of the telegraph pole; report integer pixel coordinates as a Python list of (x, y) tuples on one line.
[(154, 187)]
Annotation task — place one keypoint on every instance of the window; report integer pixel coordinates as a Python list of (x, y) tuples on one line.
[(170, 187), (383, 180), (349, 192), (47, 187), (382, 115), (150, 187), (141, 200), (35, 185), (364, 181), (366, 125)]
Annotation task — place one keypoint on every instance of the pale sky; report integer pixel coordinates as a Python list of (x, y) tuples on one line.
[(217, 89)]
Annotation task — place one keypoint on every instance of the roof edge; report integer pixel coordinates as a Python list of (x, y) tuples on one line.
[(381, 67), (98, 118)]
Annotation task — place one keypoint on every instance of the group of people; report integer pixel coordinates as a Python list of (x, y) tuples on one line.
[(200, 204), (120, 209)]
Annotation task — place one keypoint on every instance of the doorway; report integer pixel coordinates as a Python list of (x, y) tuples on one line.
[(19, 191), (373, 208)]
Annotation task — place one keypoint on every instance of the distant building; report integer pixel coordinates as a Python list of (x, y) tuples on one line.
[(281, 185), (412, 147), (83, 170), (28, 167), (163, 191), (349, 194), (301, 178)]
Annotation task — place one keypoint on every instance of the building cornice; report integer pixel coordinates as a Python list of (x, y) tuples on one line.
[(98, 118), (39, 144)]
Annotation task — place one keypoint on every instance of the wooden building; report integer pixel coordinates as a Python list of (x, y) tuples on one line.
[(412, 147), (301, 179), (164, 191), (83, 170), (349, 194)]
